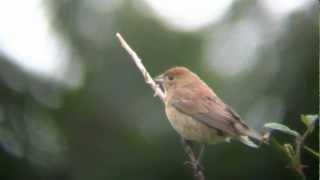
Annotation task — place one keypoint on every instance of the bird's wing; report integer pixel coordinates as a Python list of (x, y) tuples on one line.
[(211, 111)]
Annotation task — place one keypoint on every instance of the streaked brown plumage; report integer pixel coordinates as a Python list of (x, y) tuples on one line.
[(197, 113)]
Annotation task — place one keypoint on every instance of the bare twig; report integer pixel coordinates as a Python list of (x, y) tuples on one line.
[(194, 162), (148, 79), (195, 165)]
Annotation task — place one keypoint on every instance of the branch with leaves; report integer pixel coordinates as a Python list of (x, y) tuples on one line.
[(195, 165), (294, 151)]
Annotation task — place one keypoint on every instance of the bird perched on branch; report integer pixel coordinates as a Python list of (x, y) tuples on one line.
[(197, 113)]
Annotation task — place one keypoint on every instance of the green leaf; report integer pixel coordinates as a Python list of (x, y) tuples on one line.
[(279, 149), (289, 150), (309, 119), (282, 128)]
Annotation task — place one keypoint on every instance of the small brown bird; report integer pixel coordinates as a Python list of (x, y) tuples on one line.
[(197, 113)]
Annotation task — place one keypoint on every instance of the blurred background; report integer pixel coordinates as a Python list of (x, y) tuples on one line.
[(73, 106)]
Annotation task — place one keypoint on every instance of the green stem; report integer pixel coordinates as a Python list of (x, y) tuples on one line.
[(299, 144), (311, 151)]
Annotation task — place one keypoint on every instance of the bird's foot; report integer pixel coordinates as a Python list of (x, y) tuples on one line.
[(194, 164)]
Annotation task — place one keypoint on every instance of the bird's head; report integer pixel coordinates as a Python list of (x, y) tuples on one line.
[(176, 77)]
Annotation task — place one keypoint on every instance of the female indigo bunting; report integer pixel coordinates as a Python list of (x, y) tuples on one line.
[(197, 113)]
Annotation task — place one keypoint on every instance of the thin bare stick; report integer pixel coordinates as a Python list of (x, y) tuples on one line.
[(148, 79), (194, 162), (195, 165)]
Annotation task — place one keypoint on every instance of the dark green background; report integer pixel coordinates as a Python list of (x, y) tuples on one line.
[(112, 128)]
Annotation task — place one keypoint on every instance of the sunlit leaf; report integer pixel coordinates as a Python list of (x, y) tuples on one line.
[(309, 119), (289, 150), (282, 128)]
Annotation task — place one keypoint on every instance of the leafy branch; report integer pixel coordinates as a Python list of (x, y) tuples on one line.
[(294, 154)]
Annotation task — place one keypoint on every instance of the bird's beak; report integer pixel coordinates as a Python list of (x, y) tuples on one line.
[(159, 79)]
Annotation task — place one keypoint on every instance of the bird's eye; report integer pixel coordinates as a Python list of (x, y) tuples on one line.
[(170, 78)]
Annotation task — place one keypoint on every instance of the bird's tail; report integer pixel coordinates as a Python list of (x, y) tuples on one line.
[(254, 135), (250, 138), (245, 140)]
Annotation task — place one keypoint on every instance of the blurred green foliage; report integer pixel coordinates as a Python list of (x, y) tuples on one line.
[(112, 128)]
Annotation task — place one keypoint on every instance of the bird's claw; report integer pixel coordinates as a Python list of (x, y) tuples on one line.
[(196, 164)]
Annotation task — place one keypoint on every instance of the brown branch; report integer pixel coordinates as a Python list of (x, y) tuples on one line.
[(195, 165), (194, 162)]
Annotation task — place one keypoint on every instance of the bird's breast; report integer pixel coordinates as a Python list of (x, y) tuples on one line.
[(190, 128)]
